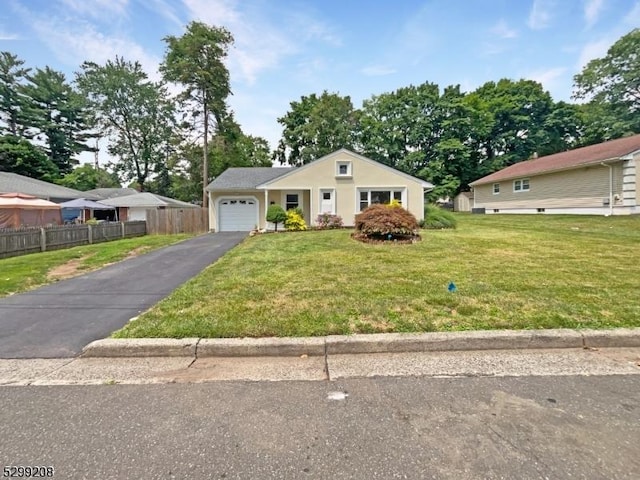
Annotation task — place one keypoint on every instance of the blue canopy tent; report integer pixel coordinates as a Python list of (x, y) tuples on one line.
[(76, 209)]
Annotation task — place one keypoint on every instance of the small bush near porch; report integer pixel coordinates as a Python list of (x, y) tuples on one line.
[(510, 271)]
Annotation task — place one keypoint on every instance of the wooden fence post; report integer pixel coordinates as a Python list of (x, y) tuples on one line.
[(122, 227), (90, 234), (43, 240)]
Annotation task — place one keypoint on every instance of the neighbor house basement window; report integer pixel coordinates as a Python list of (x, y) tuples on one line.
[(370, 197), (496, 188), (521, 185)]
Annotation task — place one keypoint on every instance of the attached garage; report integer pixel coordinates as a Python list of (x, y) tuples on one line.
[(237, 214)]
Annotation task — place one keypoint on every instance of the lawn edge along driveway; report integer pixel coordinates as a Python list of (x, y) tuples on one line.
[(58, 320)]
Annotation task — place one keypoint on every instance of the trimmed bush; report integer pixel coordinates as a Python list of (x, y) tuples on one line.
[(328, 220), (437, 218), (386, 223), (276, 215), (294, 221)]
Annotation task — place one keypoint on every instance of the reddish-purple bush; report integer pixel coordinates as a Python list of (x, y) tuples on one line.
[(386, 223)]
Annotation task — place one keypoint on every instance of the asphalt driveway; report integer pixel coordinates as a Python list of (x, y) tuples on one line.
[(58, 320)]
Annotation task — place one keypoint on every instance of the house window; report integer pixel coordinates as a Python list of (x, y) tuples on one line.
[(540, 210), (370, 197), (326, 195), (291, 201), (521, 185), (496, 188), (343, 169)]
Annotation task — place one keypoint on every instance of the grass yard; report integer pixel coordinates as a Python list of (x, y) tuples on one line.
[(18, 274), (517, 272)]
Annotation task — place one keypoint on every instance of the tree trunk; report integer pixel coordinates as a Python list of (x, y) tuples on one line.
[(205, 159)]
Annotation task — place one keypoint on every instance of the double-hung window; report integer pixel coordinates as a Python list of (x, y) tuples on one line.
[(521, 185)]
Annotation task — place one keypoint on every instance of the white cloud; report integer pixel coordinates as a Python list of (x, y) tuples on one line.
[(98, 8), (8, 36), (593, 50), (166, 9), (633, 17), (260, 42), (592, 10), (541, 14), (502, 30), (549, 78), (377, 70)]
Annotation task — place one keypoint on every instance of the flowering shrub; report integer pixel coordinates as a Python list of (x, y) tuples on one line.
[(294, 221), (386, 223), (328, 220)]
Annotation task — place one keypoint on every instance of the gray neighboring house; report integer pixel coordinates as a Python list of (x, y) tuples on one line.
[(13, 182), (104, 193), (134, 207)]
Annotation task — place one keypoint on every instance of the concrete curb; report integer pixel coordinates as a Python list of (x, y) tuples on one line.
[(369, 343)]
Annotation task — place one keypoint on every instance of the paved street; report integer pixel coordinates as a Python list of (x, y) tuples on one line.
[(57, 320), (362, 428)]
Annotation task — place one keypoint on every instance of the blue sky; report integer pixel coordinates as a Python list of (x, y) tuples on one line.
[(288, 48)]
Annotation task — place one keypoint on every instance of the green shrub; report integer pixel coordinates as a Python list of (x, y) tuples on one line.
[(437, 218), (276, 215), (386, 222), (294, 221)]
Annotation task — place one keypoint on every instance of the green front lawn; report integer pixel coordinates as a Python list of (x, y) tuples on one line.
[(18, 274), (516, 272)]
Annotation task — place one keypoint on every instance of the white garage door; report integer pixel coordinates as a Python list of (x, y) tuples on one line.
[(237, 214)]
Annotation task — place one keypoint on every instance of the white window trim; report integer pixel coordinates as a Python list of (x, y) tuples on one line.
[(403, 194), (493, 188), (520, 182), (349, 165)]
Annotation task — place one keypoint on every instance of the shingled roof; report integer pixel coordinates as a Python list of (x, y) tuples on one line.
[(245, 178), (13, 182), (611, 150)]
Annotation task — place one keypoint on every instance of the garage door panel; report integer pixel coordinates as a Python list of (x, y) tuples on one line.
[(237, 214)]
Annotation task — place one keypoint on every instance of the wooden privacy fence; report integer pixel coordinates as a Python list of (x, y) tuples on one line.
[(177, 220), (25, 240)]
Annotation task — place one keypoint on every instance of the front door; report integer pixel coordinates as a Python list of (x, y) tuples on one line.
[(328, 201)]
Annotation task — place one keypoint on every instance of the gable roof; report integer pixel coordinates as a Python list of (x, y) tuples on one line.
[(148, 200), (112, 192), (292, 171), (246, 178), (611, 150), (13, 182)]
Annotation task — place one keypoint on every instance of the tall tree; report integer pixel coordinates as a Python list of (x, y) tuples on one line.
[(58, 113), (18, 155), (12, 75), (196, 60), (137, 115), (316, 126), (613, 82)]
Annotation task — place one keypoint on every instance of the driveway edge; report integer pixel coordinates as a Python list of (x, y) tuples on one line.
[(364, 343)]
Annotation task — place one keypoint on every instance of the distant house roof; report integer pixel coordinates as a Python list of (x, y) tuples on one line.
[(148, 200), (611, 150), (112, 192), (246, 178), (12, 182)]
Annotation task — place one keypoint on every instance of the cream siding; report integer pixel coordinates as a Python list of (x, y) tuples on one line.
[(584, 187), (322, 174)]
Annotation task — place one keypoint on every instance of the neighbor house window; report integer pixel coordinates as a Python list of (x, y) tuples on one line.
[(372, 196), (521, 185), (496, 188), (291, 201), (343, 169)]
